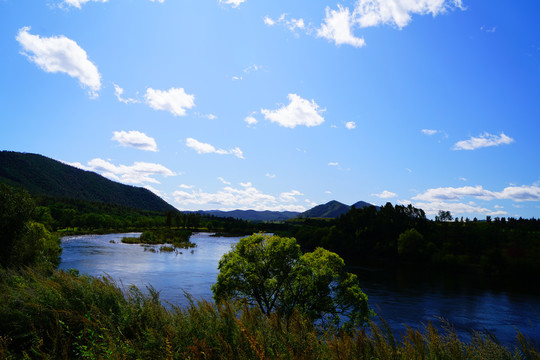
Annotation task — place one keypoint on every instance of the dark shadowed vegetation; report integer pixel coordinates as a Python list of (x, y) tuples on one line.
[(68, 316)]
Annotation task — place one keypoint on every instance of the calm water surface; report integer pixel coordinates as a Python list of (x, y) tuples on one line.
[(401, 298)]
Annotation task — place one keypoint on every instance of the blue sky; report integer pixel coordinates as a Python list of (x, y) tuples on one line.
[(283, 105)]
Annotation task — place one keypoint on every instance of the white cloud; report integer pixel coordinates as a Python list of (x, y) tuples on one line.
[(462, 179), (429, 131), (290, 196), (204, 148), (333, 164), (224, 181), (488, 29), (484, 140), (236, 78), (245, 197), (398, 12), (78, 3), (514, 193), (299, 112), (250, 120), (60, 54), (252, 68), (337, 27), (184, 186), (174, 100), (233, 3), (118, 92), (138, 173), (206, 116), (268, 21), (385, 195), (350, 125), (135, 139), (271, 176), (291, 24)]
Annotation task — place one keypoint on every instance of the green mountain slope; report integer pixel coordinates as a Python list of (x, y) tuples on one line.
[(331, 209), (42, 176)]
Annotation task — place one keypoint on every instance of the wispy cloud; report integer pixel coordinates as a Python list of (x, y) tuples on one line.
[(283, 20), (78, 3), (299, 111), (204, 148), (60, 54), (138, 173), (135, 139), (174, 100), (429, 132), (484, 140), (233, 3), (350, 125), (333, 164), (118, 92)]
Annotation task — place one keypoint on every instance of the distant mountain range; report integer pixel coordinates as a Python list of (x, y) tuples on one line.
[(332, 209), (43, 176)]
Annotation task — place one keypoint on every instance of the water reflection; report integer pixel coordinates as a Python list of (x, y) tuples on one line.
[(399, 296), (170, 273)]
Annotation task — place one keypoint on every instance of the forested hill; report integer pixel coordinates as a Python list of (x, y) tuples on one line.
[(332, 209), (42, 176)]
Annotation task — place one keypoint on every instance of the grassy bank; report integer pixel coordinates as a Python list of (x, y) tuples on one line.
[(67, 316)]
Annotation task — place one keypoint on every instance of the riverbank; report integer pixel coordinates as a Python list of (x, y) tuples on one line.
[(67, 316)]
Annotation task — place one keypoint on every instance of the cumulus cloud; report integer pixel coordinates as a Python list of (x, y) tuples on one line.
[(138, 173), (60, 54), (204, 148), (135, 139), (118, 92), (398, 13), (385, 195), (337, 27), (299, 112), (233, 3), (514, 193), (484, 140), (350, 125), (174, 100), (243, 197)]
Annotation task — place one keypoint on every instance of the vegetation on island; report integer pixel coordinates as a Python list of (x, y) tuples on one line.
[(179, 238)]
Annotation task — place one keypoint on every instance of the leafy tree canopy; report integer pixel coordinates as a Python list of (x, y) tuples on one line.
[(271, 272)]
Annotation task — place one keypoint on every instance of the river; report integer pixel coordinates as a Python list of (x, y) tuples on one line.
[(401, 298)]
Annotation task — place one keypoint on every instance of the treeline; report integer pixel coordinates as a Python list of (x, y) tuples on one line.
[(403, 235), (60, 214)]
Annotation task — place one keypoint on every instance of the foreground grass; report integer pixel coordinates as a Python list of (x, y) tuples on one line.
[(66, 316)]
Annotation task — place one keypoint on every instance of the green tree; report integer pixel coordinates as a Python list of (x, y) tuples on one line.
[(24, 242), (16, 209), (271, 273)]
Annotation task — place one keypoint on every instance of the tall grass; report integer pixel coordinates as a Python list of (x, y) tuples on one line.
[(67, 316)]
